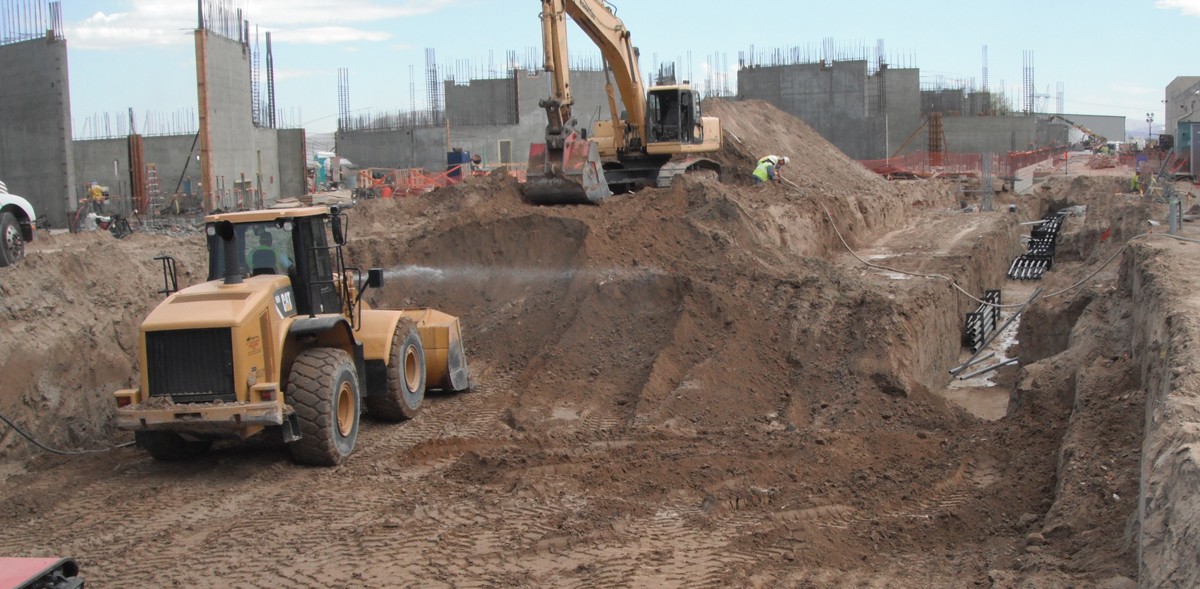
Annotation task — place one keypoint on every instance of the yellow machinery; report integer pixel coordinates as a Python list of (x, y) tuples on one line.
[(280, 341), (1091, 139), (661, 135)]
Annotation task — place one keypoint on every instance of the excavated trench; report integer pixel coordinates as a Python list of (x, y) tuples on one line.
[(690, 387)]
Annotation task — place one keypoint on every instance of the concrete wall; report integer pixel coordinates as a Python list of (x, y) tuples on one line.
[(902, 114), (1182, 102), (36, 160), (482, 102), (426, 147), (419, 147), (244, 159), (292, 162), (1111, 127), (991, 134), (841, 102), (94, 160)]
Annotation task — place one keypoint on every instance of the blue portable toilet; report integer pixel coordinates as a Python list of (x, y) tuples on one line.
[(457, 160)]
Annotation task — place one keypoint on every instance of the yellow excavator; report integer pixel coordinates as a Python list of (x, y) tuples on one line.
[(662, 133), (1091, 139)]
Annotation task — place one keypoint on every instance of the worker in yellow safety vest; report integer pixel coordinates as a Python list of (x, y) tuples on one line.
[(774, 163)]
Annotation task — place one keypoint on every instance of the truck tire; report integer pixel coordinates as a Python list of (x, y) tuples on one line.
[(323, 389), (405, 377), (12, 242), (170, 446)]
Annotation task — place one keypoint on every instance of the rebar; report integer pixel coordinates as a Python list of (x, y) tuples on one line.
[(989, 369), (25, 20)]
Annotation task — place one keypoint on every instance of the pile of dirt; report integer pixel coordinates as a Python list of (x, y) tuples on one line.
[(708, 305), (68, 339), (694, 386), (1100, 162)]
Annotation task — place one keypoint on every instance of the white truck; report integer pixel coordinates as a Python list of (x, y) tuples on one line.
[(16, 226)]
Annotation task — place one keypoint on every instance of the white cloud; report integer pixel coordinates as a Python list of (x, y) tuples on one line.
[(1188, 7), (291, 74), (316, 22), (326, 35)]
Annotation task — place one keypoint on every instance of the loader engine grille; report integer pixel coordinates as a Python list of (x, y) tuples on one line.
[(191, 365)]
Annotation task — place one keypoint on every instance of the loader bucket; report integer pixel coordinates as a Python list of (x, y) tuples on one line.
[(572, 175), (445, 360)]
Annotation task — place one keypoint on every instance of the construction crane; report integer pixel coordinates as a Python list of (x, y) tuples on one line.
[(1091, 139), (661, 134)]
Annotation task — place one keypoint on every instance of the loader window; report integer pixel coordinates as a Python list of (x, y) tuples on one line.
[(263, 248), (314, 286)]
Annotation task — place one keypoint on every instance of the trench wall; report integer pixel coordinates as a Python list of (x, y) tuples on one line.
[(937, 334), (1161, 276)]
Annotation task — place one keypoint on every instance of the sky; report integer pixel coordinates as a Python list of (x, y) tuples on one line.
[(1112, 58)]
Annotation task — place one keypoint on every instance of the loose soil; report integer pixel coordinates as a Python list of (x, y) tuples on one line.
[(687, 387)]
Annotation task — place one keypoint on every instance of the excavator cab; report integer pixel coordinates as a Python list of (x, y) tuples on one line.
[(672, 114)]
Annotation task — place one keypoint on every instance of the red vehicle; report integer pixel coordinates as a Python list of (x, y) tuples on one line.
[(39, 573)]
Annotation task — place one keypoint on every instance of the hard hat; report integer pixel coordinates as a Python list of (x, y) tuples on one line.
[(784, 160)]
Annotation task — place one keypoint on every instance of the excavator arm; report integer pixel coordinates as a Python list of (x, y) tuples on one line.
[(600, 23), (1094, 137)]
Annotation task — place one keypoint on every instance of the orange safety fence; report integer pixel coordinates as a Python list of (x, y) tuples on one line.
[(923, 164)]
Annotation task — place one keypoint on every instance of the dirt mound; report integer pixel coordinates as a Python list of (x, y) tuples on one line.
[(69, 339), (695, 307), (694, 386)]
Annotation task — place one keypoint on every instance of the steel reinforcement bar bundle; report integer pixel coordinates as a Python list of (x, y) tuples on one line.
[(1039, 258)]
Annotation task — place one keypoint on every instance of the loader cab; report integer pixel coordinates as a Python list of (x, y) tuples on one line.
[(300, 247), (673, 115)]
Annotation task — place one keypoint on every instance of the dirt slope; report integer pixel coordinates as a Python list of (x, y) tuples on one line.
[(683, 388)]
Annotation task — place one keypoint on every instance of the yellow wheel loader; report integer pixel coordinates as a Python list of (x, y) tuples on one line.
[(279, 340)]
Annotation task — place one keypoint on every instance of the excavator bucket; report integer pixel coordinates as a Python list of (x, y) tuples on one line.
[(572, 175), (445, 361)]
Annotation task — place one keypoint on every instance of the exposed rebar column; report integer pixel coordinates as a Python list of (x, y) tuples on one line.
[(25, 20), (989, 193), (270, 84), (1027, 81), (343, 99)]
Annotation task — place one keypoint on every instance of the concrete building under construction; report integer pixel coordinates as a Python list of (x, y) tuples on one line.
[(866, 107), (235, 157)]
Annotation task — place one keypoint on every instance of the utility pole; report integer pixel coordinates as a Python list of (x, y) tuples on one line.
[(1149, 127)]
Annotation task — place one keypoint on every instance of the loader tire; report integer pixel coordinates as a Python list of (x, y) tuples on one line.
[(405, 377), (170, 446), (12, 242), (323, 390)]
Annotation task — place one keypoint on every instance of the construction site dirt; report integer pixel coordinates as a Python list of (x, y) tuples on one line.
[(699, 386)]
